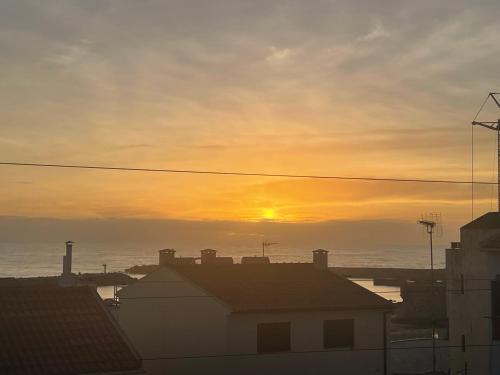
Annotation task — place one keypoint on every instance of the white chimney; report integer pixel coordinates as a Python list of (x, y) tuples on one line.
[(320, 259), (67, 278), (68, 258)]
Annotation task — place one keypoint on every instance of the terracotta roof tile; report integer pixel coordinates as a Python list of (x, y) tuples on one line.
[(280, 286), (50, 330)]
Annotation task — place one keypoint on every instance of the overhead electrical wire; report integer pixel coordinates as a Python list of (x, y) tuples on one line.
[(241, 173), (326, 351)]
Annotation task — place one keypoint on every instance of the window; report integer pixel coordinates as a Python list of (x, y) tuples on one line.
[(338, 333), (273, 337)]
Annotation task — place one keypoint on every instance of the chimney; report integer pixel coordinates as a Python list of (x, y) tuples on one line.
[(208, 256), (68, 258), (67, 278), (166, 257), (320, 259)]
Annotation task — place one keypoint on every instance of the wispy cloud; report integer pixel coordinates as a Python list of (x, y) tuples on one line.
[(281, 55), (365, 88), (68, 54), (377, 32)]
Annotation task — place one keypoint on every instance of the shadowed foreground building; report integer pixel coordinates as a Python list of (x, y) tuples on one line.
[(46, 329), (473, 297), (255, 317)]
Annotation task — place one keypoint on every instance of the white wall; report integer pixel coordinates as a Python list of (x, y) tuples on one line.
[(165, 316), (307, 356), (307, 335), (414, 356), (469, 313)]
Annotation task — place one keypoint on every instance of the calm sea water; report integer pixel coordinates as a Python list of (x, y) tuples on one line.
[(23, 260), (44, 259)]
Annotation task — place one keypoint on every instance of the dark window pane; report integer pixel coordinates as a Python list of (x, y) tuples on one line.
[(273, 337), (338, 333)]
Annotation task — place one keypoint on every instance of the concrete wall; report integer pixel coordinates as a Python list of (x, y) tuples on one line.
[(348, 363), (469, 313), (307, 335), (165, 316), (415, 356)]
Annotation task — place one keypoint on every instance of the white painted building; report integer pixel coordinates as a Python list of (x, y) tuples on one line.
[(473, 298), (252, 318)]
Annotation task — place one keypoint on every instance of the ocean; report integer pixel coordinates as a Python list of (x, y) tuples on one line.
[(45, 259)]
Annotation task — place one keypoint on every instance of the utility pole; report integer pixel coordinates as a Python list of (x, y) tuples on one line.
[(429, 226), (493, 125)]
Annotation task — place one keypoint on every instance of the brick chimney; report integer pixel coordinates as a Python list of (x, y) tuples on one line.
[(166, 257), (208, 256), (320, 259)]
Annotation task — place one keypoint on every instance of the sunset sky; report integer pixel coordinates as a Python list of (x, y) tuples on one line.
[(354, 88)]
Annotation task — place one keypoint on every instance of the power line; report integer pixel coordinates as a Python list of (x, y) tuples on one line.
[(248, 174), (296, 352), (361, 292), (325, 351), (318, 294)]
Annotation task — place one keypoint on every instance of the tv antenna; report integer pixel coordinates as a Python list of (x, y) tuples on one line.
[(492, 125), (265, 245), (434, 218)]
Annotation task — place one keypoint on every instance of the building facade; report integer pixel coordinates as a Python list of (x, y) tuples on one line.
[(256, 317), (473, 298)]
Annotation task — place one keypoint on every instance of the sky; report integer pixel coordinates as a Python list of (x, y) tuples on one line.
[(378, 88)]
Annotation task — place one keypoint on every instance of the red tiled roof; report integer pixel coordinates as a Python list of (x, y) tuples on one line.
[(281, 286), (51, 330)]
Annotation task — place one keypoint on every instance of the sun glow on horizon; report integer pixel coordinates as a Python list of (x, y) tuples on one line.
[(269, 214)]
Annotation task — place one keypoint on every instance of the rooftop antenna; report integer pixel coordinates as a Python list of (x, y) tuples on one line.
[(495, 126), (265, 245), (432, 217)]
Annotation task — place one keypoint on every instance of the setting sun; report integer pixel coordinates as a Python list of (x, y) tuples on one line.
[(269, 214)]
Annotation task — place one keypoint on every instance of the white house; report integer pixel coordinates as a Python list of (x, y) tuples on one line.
[(473, 297), (255, 317)]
